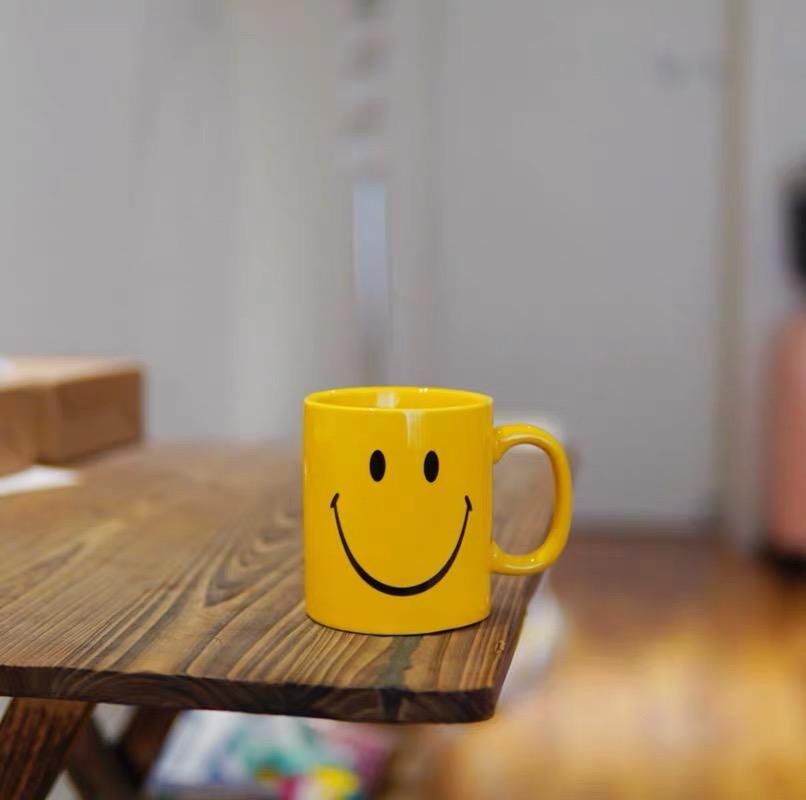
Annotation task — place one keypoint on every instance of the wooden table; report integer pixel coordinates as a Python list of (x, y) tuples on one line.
[(171, 578)]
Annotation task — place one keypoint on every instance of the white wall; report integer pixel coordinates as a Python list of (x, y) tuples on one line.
[(169, 190), (577, 233)]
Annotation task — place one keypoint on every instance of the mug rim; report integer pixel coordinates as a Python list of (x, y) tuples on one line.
[(446, 399)]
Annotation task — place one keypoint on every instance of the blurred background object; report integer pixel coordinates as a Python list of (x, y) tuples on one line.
[(215, 754), (579, 208), (786, 407)]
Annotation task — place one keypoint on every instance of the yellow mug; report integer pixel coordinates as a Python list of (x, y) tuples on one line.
[(397, 505)]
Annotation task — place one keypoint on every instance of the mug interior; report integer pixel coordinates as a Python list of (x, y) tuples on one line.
[(398, 398)]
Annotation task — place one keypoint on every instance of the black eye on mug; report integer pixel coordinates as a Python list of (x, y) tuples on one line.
[(377, 465), (431, 466)]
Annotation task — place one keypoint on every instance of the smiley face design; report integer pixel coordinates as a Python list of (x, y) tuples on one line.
[(377, 471)]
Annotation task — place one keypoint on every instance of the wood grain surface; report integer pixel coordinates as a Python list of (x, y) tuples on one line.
[(172, 577), (34, 737)]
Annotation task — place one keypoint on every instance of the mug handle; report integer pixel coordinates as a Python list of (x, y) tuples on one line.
[(505, 437)]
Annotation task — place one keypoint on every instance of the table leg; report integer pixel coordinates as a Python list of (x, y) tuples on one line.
[(34, 738), (142, 741), (101, 769), (95, 769)]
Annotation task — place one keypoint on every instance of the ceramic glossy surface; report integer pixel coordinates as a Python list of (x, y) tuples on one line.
[(397, 505)]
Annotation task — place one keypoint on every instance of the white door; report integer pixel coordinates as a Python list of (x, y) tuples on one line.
[(574, 187)]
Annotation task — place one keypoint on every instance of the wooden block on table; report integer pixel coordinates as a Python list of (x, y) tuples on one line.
[(82, 404), (18, 427)]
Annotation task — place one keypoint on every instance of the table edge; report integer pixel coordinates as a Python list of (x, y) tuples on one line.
[(187, 692)]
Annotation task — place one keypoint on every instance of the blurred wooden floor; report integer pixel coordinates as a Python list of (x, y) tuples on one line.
[(682, 674)]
